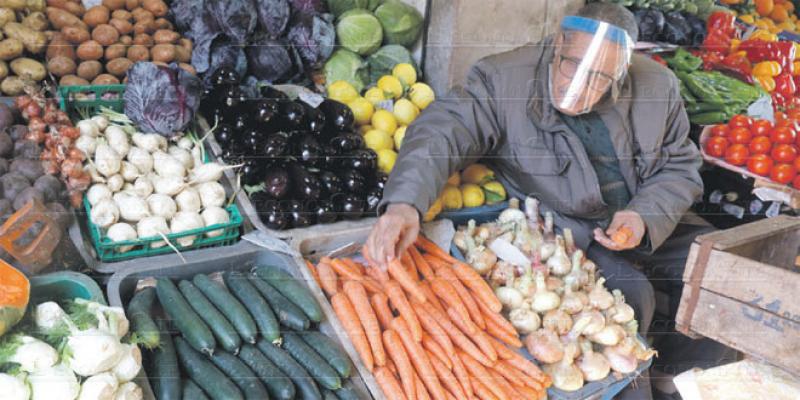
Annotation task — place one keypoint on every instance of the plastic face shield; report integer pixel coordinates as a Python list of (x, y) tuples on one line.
[(591, 59)]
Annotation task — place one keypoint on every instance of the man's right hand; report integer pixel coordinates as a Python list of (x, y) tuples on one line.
[(395, 230)]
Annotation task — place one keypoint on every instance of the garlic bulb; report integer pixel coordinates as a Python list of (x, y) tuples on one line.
[(544, 300), (599, 297), (593, 366), (545, 346), (566, 376), (524, 320), (620, 312), (557, 321), (559, 263)]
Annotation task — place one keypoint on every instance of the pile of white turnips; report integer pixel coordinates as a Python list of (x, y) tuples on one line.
[(95, 362), (145, 186)]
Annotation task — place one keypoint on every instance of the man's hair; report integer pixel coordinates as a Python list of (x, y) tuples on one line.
[(613, 14)]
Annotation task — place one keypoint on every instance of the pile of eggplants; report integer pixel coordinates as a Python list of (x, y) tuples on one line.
[(300, 165)]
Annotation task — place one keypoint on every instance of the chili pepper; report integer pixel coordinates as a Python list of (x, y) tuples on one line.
[(767, 68), (723, 21), (784, 84)]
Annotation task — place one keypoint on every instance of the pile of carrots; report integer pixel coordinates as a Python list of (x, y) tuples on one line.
[(429, 327)]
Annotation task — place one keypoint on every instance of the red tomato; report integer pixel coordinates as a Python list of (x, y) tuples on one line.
[(716, 146), (721, 130), (783, 173), (782, 134), (760, 164), (740, 135), (761, 127), (740, 121), (796, 163), (796, 182), (759, 145), (784, 153), (737, 154)]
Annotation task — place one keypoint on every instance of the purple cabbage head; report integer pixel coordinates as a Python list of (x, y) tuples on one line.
[(235, 18), (308, 6), (226, 54), (269, 59), (314, 37), (273, 15), (161, 99)]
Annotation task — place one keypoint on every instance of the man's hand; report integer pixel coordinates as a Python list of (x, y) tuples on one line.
[(631, 231), (395, 230)]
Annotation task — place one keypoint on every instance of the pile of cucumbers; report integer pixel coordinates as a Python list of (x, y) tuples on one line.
[(252, 338)]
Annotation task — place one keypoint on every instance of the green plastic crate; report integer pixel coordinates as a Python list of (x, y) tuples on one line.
[(89, 99), (64, 285)]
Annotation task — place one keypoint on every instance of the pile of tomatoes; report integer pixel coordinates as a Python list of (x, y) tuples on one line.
[(763, 148)]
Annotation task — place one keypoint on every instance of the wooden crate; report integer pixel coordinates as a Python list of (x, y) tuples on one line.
[(741, 290)]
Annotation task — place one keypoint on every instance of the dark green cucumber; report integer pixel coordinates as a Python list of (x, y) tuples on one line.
[(205, 374), (232, 308), (320, 370), (241, 375), (188, 322), (328, 395), (348, 391), (303, 383), (289, 314), (165, 373), (292, 289), (279, 386), (192, 392), (328, 349), (142, 324), (219, 325), (240, 286)]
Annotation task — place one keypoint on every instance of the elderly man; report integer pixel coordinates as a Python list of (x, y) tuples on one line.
[(595, 132)]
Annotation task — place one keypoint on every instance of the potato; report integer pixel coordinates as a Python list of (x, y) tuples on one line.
[(118, 67), (163, 23), (36, 21), (3, 70), (121, 14), (182, 55), (96, 15), (28, 68), (105, 34), (164, 36), (105, 79), (116, 50), (131, 4), (10, 49), (12, 86), (90, 69), (188, 68), (60, 18), (143, 39), (114, 4), (147, 26), (76, 35), (122, 26), (72, 80), (7, 15), (34, 41), (163, 52), (138, 52), (90, 50), (127, 40), (60, 66), (185, 43), (157, 7), (140, 14), (75, 8), (59, 46)]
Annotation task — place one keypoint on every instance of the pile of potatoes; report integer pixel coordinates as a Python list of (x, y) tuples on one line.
[(100, 44), (23, 38)]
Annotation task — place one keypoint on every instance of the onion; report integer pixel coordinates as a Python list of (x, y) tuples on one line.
[(544, 300), (162, 205), (509, 296), (212, 194), (141, 159), (557, 321), (150, 227), (129, 171), (593, 366), (566, 376), (184, 156), (545, 346), (100, 121), (88, 128), (143, 187), (98, 192), (86, 144), (167, 165), (188, 200), (512, 213), (215, 216), (503, 273), (573, 302), (118, 140), (620, 359), (559, 263), (577, 277), (168, 185), (524, 320), (121, 232), (481, 259), (554, 284), (620, 312), (594, 321), (184, 221), (599, 297), (131, 207), (105, 213), (549, 244), (610, 335), (115, 183), (106, 159)]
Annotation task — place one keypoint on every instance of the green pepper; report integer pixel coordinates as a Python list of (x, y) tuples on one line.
[(684, 61), (686, 93), (708, 118), (700, 108)]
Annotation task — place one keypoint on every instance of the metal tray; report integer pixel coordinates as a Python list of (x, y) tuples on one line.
[(239, 257)]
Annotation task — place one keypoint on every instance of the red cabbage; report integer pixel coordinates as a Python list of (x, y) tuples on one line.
[(273, 15), (308, 6), (269, 59), (314, 37), (235, 18)]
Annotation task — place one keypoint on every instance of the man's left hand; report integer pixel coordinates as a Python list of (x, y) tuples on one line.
[(622, 219)]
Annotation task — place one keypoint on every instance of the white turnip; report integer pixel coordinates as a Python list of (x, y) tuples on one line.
[(115, 183), (106, 159), (184, 156), (131, 207), (141, 158), (149, 141), (168, 185), (212, 194), (105, 213), (129, 171), (214, 216), (88, 128), (55, 383), (130, 365), (120, 232), (188, 200), (129, 391), (86, 144), (167, 165), (117, 139), (143, 187), (99, 387), (14, 387), (101, 122), (162, 205), (93, 351), (153, 226), (184, 221)]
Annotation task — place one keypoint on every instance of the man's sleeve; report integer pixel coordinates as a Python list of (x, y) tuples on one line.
[(450, 134), (667, 193)]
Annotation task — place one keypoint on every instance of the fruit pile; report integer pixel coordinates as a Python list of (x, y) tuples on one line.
[(473, 187), (772, 15), (763, 148)]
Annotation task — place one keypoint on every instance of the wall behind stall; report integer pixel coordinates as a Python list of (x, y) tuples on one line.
[(461, 32)]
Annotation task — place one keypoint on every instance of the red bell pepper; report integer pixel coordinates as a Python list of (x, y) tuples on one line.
[(783, 52), (757, 50), (711, 60), (723, 21), (784, 84), (779, 101)]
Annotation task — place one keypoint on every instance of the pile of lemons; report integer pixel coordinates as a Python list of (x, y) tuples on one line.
[(385, 110), (475, 186)]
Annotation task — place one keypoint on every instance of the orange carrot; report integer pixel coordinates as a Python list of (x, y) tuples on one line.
[(389, 385), (354, 265), (422, 393), (450, 396), (405, 280), (458, 338), (327, 279), (481, 390), (478, 371), (377, 274), (358, 298), (313, 271), (505, 384), (528, 368), (462, 375), (380, 303), (420, 359), (445, 291), (505, 337), (426, 288), (464, 325), (390, 366), (434, 348), (446, 377), (433, 327), (431, 247), (472, 307), (502, 351), (400, 302), (411, 266), (435, 262), (346, 271), (511, 374), (483, 292), (478, 336), (394, 346), (422, 265), (350, 321), (528, 393), (496, 318)]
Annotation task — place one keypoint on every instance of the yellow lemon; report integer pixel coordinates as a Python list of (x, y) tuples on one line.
[(391, 86), (454, 179), (451, 197), (378, 140), (399, 135), (342, 92), (362, 110), (433, 210), (405, 73), (384, 120), (405, 111), (494, 191), (472, 195), (374, 95), (363, 129), (386, 160), (421, 95), (477, 174)]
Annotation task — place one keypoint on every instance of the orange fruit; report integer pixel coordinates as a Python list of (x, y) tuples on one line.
[(764, 7), (779, 14)]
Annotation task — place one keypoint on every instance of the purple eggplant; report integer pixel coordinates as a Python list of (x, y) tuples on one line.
[(346, 143), (349, 206), (331, 184), (373, 198), (276, 146), (339, 117), (305, 184), (324, 211), (353, 181), (277, 182), (308, 151), (294, 115), (224, 135)]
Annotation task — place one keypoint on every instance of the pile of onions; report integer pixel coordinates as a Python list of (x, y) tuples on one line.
[(576, 327)]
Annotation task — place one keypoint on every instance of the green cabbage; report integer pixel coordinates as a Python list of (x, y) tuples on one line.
[(373, 4), (402, 23), (383, 61), (339, 7), (359, 31), (344, 65)]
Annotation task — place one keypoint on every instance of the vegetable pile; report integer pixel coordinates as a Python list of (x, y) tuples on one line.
[(100, 44), (681, 28), (23, 26), (472, 187), (773, 15), (84, 352), (448, 339), (698, 7), (251, 338), (577, 328)]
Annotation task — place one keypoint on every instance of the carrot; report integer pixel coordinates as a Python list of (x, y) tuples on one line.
[(377, 275), (450, 396), (471, 279), (422, 393), (496, 318), (358, 297), (380, 303), (464, 325), (422, 265), (394, 346), (478, 371), (445, 291), (505, 337), (390, 366), (354, 265), (313, 271), (528, 393), (461, 374), (430, 247), (435, 262), (505, 384), (472, 307), (502, 351), (389, 385), (456, 336), (434, 348), (481, 390), (400, 302), (433, 327), (405, 280), (420, 359), (528, 368), (426, 288), (411, 266), (510, 373), (350, 321), (446, 377), (478, 336), (346, 271), (327, 279)]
